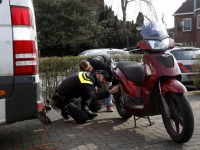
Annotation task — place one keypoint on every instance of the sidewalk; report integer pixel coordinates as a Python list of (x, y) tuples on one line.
[(106, 132)]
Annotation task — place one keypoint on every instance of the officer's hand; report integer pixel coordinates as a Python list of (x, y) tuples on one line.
[(96, 88), (114, 89)]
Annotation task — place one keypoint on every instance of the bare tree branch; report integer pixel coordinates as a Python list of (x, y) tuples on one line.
[(130, 1), (148, 2), (147, 18), (163, 20), (124, 7)]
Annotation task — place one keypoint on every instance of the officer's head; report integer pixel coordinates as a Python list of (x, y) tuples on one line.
[(102, 77)]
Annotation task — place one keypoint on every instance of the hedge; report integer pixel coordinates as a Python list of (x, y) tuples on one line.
[(196, 76)]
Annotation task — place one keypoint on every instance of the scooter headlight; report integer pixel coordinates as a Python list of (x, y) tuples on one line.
[(159, 45)]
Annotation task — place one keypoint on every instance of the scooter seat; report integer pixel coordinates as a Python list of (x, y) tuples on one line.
[(132, 70)]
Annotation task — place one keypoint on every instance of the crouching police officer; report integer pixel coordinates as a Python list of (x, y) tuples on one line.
[(82, 84)]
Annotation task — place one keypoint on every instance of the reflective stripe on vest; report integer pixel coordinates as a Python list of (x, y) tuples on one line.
[(84, 78)]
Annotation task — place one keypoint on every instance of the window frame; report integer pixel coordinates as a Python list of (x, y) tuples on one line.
[(198, 21), (185, 30)]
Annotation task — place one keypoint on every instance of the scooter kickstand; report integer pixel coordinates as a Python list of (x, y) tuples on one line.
[(145, 117)]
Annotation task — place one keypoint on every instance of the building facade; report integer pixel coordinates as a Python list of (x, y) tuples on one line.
[(189, 13)]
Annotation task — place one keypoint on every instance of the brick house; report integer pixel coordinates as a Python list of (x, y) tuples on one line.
[(189, 13)]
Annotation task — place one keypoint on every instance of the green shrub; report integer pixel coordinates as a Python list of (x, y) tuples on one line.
[(196, 76)]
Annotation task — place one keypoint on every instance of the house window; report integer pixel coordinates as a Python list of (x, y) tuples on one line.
[(198, 21), (187, 24)]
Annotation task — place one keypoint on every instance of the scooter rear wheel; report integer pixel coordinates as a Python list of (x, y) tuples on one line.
[(120, 109), (180, 126)]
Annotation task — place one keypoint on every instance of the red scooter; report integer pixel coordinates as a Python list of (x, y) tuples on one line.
[(153, 87)]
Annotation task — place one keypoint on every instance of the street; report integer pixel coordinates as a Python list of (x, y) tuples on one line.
[(106, 132)]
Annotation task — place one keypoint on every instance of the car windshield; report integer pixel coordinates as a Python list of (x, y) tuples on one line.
[(153, 29), (185, 54)]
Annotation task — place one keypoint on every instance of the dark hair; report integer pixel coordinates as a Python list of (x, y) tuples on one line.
[(103, 72), (83, 64)]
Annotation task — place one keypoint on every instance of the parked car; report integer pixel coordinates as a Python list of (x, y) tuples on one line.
[(105, 51), (185, 57)]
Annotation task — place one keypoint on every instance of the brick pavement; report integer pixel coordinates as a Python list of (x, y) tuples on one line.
[(106, 132)]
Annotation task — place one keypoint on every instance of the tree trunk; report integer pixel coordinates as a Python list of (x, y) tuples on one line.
[(124, 6), (148, 2)]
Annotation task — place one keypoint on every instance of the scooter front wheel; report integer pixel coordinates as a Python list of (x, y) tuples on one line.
[(180, 125), (120, 109)]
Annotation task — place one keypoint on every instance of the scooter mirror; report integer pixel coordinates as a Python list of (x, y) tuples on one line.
[(180, 26)]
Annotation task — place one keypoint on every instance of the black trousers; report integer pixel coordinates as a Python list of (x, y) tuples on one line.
[(85, 100), (76, 113), (69, 108)]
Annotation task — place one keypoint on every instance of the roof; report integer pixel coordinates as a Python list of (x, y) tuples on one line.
[(188, 7)]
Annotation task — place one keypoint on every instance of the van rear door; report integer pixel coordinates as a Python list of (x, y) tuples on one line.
[(19, 79), (20, 97), (6, 56)]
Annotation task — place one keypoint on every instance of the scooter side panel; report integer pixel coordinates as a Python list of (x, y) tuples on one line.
[(172, 85), (158, 70), (122, 79), (136, 89), (129, 87), (132, 95), (158, 61), (133, 99)]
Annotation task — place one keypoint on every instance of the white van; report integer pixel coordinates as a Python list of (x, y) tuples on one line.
[(19, 79)]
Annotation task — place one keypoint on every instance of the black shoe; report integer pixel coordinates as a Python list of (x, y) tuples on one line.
[(90, 114), (64, 114)]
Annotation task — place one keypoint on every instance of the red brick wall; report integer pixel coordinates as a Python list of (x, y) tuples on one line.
[(185, 36), (197, 33)]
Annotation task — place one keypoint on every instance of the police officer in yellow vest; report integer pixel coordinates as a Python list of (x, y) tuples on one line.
[(82, 84)]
